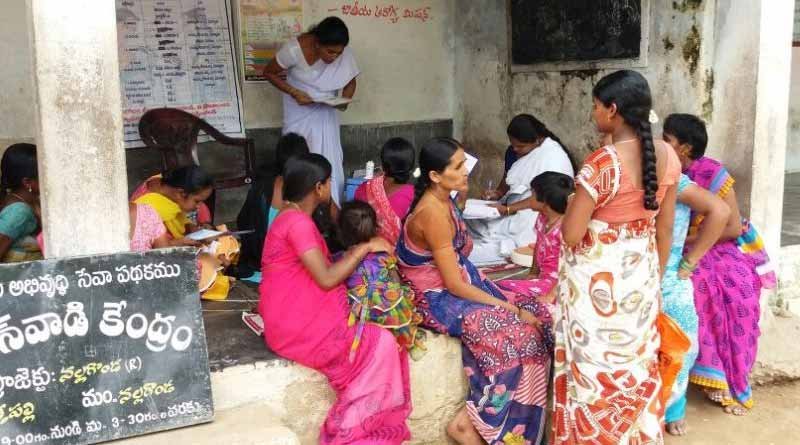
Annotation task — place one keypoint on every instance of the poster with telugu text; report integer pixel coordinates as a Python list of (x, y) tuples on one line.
[(264, 25), (178, 54)]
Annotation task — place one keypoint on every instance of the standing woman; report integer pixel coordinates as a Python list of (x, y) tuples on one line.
[(617, 234), (304, 306), (727, 280), (318, 64)]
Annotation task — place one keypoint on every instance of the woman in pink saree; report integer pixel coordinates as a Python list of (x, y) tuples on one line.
[(727, 280), (390, 194), (304, 307)]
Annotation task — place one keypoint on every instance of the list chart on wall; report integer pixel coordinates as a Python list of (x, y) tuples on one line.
[(178, 54)]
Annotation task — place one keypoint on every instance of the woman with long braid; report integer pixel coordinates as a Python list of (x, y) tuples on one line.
[(617, 234)]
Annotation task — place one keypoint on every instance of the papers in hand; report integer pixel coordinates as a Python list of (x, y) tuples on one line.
[(334, 101), (470, 163), (478, 209), (206, 234)]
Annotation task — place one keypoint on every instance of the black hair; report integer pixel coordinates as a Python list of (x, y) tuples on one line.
[(289, 145), (688, 129), (434, 156), (630, 92), (553, 188), (18, 164), (190, 178), (358, 223), (526, 128), (302, 174), (397, 159), (331, 31)]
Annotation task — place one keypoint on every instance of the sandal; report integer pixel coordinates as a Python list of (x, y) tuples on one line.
[(716, 395)]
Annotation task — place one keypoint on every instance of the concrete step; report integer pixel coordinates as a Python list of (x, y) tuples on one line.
[(243, 425)]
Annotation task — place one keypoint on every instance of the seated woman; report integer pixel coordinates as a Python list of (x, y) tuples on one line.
[(180, 192), (534, 149), (19, 220), (200, 216), (377, 293), (506, 350), (550, 193), (390, 194), (264, 201), (304, 307), (727, 280)]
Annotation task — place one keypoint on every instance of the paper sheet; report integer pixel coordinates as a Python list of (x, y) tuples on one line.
[(470, 163), (479, 209)]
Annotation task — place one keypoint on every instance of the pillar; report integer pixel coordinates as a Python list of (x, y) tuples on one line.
[(81, 154), (752, 67)]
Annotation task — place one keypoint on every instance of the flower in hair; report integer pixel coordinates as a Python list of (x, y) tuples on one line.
[(416, 173), (653, 117)]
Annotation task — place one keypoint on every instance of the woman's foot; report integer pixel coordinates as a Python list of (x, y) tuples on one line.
[(677, 428), (736, 409), (716, 395), (463, 431)]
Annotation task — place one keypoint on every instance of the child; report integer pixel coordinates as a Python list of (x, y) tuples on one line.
[(550, 193), (375, 289)]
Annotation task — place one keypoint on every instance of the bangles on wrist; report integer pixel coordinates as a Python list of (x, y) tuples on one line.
[(687, 265)]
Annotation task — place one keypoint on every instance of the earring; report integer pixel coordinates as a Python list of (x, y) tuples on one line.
[(30, 189)]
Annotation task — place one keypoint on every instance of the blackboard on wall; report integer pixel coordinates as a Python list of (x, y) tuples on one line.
[(99, 348), (574, 30)]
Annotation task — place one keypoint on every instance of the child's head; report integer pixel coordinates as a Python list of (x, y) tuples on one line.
[(192, 186), (397, 159), (686, 133), (289, 146), (358, 223), (551, 189)]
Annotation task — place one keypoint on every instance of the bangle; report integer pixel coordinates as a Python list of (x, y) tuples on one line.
[(686, 265), (508, 210)]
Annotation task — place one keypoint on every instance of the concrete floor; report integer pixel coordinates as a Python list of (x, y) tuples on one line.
[(773, 421), (790, 231)]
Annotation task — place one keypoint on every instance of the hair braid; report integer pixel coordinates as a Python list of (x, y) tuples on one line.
[(649, 174), (419, 189)]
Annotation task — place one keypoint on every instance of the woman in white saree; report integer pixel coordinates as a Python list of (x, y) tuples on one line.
[(317, 65), (534, 150)]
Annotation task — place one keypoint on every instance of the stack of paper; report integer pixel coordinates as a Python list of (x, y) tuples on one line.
[(478, 209)]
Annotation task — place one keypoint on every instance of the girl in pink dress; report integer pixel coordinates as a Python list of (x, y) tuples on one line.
[(304, 307), (550, 192), (390, 194)]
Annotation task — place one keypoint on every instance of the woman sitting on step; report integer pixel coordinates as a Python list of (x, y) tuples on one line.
[(304, 307)]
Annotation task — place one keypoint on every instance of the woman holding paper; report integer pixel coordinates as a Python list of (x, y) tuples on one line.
[(534, 150), (317, 64)]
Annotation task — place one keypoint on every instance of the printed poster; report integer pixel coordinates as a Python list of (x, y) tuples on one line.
[(264, 25), (178, 54)]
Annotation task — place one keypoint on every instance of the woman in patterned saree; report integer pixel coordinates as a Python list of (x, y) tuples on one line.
[(727, 280), (505, 346), (617, 233)]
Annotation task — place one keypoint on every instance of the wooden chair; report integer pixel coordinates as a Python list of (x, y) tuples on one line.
[(174, 134)]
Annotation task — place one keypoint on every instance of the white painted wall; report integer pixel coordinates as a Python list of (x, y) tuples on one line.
[(793, 137), (406, 68), (16, 90)]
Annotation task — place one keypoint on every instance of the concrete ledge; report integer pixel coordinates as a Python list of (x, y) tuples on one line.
[(246, 425), (278, 402)]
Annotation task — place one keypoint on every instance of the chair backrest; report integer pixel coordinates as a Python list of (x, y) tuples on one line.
[(174, 133)]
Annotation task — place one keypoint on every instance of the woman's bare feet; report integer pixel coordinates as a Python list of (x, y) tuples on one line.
[(716, 395), (736, 409), (677, 428), (462, 431)]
